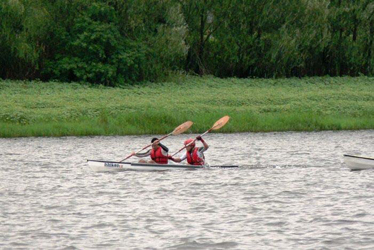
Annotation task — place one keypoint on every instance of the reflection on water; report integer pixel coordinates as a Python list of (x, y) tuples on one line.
[(292, 191)]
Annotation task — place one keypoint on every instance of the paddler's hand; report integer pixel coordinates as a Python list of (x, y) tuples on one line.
[(171, 158), (199, 138)]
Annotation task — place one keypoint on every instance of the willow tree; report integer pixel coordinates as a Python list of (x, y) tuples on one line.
[(158, 30), (247, 42), (203, 19), (366, 20), (23, 28)]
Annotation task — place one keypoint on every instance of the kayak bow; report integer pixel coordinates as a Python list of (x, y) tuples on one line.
[(355, 162)]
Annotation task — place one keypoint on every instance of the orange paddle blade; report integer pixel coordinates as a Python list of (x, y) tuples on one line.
[(182, 128), (221, 122)]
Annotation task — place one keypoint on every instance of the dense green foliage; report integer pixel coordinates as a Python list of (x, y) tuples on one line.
[(309, 104), (125, 41)]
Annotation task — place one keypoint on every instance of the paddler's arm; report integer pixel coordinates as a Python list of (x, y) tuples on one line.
[(174, 159), (145, 154), (178, 159), (206, 146), (163, 147)]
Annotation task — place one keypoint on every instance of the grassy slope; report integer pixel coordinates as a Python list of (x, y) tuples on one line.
[(55, 109)]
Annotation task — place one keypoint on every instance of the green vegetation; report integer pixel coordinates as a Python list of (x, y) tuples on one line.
[(119, 42), (309, 104)]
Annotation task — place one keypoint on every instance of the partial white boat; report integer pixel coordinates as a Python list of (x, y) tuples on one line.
[(355, 162), (118, 166)]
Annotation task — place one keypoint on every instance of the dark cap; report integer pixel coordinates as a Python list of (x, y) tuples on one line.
[(154, 139)]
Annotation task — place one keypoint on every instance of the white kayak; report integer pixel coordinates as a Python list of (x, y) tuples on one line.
[(118, 166), (355, 162)]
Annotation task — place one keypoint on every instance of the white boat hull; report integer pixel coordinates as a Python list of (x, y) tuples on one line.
[(121, 166), (358, 162)]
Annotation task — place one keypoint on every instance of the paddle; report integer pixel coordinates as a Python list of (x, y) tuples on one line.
[(219, 124), (178, 130)]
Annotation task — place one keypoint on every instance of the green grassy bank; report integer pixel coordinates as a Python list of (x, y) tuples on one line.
[(309, 104)]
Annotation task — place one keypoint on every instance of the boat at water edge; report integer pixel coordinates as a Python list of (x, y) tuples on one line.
[(356, 162), (98, 165)]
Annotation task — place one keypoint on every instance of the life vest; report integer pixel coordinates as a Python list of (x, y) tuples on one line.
[(158, 157), (194, 159)]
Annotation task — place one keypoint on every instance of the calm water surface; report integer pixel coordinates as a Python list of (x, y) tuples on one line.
[(292, 191)]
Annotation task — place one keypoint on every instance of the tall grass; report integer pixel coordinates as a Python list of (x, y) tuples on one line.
[(309, 104)]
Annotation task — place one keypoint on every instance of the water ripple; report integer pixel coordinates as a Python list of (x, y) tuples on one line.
[(292, 191)]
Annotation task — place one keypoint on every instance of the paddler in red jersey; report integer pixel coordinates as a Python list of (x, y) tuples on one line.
[(158, 153), (194, 155)]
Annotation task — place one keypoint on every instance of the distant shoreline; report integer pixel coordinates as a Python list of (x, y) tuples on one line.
[(254, 105)]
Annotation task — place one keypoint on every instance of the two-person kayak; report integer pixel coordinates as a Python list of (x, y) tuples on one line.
[(98, 165), (160, 157)]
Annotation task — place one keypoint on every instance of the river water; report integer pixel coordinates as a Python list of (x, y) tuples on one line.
[(292, 191)]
